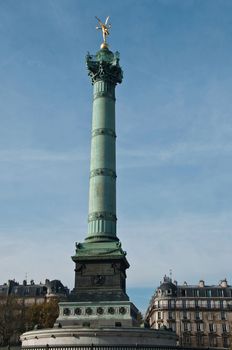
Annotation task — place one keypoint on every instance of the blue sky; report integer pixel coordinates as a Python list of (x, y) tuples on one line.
[(174, 137)]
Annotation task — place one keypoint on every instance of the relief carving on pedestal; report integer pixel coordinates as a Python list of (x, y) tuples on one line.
[(80, 267), (98, 280)]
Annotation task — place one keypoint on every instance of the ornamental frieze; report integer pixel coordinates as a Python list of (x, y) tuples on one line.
[(103, 172), (102, 215), (103, 131)]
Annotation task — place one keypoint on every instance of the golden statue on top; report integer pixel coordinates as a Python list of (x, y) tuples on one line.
[(105, 30)]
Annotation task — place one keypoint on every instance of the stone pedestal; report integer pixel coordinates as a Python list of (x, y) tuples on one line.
[(100, 272), (97, 314)]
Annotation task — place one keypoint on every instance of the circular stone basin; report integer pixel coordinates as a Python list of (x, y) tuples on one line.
[(104, 336)]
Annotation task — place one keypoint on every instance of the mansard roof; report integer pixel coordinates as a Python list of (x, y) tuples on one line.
[(13, 288)]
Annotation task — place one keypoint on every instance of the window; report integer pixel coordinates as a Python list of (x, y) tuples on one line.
[(170, 315), (223, 315), (224, 328), (27, 291), (220, 293), (225, 342), (184, 315), (212, 341), (164, 304), (159, 315), (200, 340), (204, 303), (191, 303), (211, 327), (208, 304), (186, 340)]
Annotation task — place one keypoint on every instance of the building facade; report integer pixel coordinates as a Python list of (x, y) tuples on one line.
[(33, 293), (201, 315)]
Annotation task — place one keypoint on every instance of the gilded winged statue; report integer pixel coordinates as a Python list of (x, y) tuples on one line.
[(104, 28)]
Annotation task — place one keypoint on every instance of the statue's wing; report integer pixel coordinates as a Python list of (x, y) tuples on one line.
[(107, 19), (100, 22)]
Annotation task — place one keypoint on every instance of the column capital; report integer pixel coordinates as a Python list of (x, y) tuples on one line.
[(104, 66)]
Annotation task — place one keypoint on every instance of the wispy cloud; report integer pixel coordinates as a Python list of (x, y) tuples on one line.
[(187, 244), (32, 155), (182, 152), (40, 244)]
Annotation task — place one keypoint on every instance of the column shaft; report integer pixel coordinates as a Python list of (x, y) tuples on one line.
[(105, 74), (102, 189)]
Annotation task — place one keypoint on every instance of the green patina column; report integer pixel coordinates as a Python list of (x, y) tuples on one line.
[(105, 73), (100, 260)]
